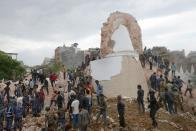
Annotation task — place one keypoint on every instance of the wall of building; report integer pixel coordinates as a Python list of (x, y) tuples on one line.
[(69, 56)]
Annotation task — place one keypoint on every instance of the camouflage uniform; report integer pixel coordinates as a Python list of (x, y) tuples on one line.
[(177, 101), (162, 94)]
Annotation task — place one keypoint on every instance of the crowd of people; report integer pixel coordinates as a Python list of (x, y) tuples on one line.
[(167, 87), (76, 98)]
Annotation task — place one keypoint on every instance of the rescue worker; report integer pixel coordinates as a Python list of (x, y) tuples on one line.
[(169, 100), (177, 98), (99, 91), (7, 91), (102, 110), (9, 117), (173, 68), (35, 102), (41, 98), (46, 85), (180, 83), (25, 104), (162, 94), (61, 119), (121, 111), (59, 101), (159, 80), (75, 112), (153, 81), (140, 98), (84, 119), (153, 108), (18, 117), (189, 88)]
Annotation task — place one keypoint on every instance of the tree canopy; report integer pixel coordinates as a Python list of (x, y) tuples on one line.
[(10, 68)]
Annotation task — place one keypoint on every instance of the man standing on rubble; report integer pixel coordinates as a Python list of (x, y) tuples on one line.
[(59, 100), (18, 112), (99, 91), (153, 80), (102, 110), (153, 108), (140, 98), (7, 91), (169, 100), (180, 83), (9, 116), (61, 119), (121, 111), (84, 119), (75, 112), (173, 68), (177, 98), (189, 88)]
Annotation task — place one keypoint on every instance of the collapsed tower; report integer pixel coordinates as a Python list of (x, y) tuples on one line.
[(119, 69)]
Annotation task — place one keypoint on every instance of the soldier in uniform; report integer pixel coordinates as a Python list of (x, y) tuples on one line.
[(162, 94), (177, 99), (102, 110)]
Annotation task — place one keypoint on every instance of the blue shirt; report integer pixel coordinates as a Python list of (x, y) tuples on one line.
[(99, 90)]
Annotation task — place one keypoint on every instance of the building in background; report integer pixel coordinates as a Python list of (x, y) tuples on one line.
[(69, 56), (48, 61)]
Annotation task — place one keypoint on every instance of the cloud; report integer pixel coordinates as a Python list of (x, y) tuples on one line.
[(174, 31), (31, 26)]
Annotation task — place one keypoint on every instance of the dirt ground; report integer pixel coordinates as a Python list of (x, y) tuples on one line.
[(135, 121)]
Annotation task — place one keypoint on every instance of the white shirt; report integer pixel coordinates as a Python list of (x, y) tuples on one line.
[(75, 106), (189, 86)]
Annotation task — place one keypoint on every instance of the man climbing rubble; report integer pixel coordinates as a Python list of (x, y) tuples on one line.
[(140, 98), (121, 111), (99, 91), (75, 112), (153, 81), (84, 119), (153, 105), (102, 110), (18, 112), (189, 88)]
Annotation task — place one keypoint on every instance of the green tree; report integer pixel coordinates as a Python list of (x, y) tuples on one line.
[(9, 68)]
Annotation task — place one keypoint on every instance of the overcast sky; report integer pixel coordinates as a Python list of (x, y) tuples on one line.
[(34, 28)]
